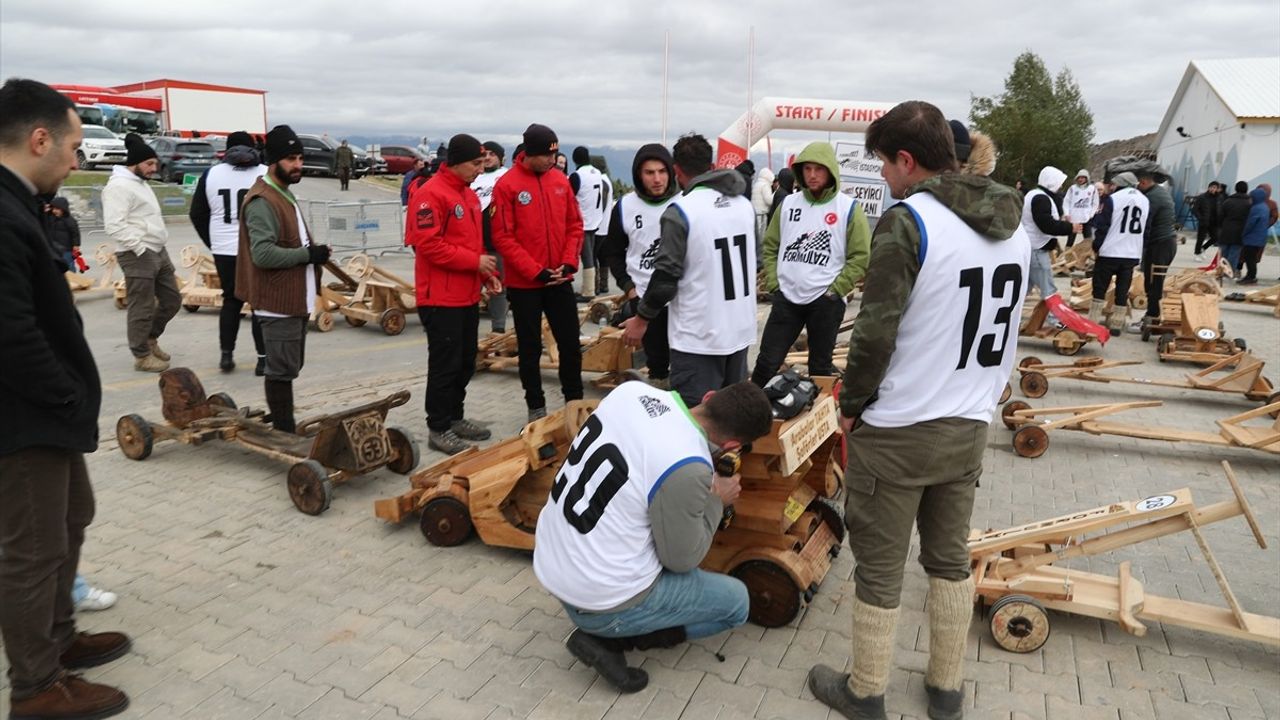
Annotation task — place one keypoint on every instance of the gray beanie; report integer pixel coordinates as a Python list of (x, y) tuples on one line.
[(1124, 180)]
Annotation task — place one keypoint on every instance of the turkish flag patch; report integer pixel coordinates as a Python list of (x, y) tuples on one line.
[(424, 218), (831, 218)]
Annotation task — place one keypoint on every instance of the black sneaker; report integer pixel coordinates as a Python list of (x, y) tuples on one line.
[(468, 430), (261, 368), (226, 364), (611, 664), (537, 413)]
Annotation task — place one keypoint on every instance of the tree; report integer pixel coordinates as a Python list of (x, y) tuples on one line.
[(1037, 121)]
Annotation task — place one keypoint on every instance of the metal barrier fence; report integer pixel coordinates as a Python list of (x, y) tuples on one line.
[(375, 227), (85, 202)]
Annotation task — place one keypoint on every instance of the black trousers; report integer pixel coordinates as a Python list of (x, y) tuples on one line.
[(527, 308), (1086, 234), (451, 361), (1155, 265), (1250, 256), (1106, 268), (657, 347), (694, 375), (1206, 236), (229, 314), (821, 318), (46, 502)]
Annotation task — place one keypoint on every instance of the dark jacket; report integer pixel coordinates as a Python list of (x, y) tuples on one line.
[(49, 385), (1208, 209), (1256, 224), (272, 264), (1160, 218), (63, 232), (200, 212), (786, 186), (1235, 211), (614, 250)]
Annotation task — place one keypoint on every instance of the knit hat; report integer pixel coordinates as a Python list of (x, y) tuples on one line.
[(746, 167), (282, 142), (138, 149), (239, 138), (540, 140), (496, 149), (1124, 180), (463, 149), (1084, 173), (963, 143), (581, 156)]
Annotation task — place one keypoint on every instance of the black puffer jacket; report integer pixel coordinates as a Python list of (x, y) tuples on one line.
[(1235, 211)]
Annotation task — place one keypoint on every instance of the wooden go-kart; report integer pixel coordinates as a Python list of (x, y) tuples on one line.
[(1246, 379), (105, 260), (1189, 329), (1031, 428), (366, 293), (325, 451), (1075, 332), (780, 542), (1014, 570), (203, 287)]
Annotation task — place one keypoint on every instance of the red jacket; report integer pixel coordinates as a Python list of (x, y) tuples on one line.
[(536, 224), (442, 225)]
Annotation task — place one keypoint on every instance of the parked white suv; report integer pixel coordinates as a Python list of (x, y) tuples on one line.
[(100, 146)]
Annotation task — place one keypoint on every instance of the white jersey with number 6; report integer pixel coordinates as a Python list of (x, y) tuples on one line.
[(714, 310), (225, 187), (641, 221), (594, 546), (1128, 221), (591, 197), (959, 334)]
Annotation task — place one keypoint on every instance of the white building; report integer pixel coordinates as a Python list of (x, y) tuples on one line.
[(1223, 124)]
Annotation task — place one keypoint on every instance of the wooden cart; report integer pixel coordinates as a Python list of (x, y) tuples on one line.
[(1245, 379), (1265, 296), (780, 542), (1066, 341), (1082, 294), (1014, 569), (325, 451), (368, 293), (203, 287), (1031, 429), (106, 257), (1190, 330), (105, 260)]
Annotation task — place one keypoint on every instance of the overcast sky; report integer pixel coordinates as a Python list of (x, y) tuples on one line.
[(593, 70)]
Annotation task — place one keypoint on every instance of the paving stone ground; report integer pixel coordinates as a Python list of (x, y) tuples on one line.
[(240, 607)]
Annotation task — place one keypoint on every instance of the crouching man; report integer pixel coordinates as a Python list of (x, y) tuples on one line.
[(631, 514)]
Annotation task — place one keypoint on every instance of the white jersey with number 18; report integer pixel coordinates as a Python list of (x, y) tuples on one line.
[(1128, 221)]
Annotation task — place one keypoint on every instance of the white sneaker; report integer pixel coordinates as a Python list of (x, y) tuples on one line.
[(97, 599), (1199, 258)]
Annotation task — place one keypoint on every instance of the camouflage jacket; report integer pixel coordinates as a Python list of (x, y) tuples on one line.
[(991, 209)]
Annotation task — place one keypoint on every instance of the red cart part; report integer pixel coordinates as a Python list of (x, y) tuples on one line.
[(1074, 320)]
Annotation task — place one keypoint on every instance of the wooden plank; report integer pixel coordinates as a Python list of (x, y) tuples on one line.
[(1152, 433), (1130, 601), (1220, 621), (798, 441), (1232, 603)]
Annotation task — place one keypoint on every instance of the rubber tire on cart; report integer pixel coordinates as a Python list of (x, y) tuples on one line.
[(1006, 413), (191, 308), (222, 400), (1240, 344), (1034, 384), (1019, 623), (392, 321), (1164, 345), (310, 487), (134, 435), (405, 450), (445, 521), (830, 513), (775, 598), (1146, 331), (1030, 441)]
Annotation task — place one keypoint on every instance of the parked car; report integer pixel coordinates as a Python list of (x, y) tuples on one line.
[(400, 158), (318, 157), (100, 147), (179, 156)]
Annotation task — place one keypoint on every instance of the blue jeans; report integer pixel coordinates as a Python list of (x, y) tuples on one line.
[(80, 589), (1231, 253), (1041, 273), (704, 603)]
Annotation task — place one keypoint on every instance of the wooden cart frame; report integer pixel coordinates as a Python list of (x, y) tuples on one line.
[(1014, 569), (1190, 330), (326, 451), (1264, 296), (1245, 379), (1065, 340)]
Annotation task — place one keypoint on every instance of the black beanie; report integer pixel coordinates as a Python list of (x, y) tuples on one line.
[(540, 140), (138, 149), (496, 149), (239, 138), (282, 142), (463, 148), (746, 167), (961, 136), (581, 156)]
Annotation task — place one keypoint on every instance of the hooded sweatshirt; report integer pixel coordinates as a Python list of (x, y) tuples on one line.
[(898, 254), (1235, 212), (630, 250), (1081, 201), (762, 192), (797, 222), (1041, 210), (131, 213), (1161, 216), (1258, 220)]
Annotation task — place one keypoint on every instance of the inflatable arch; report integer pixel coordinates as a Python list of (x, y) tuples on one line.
[(776, 113)]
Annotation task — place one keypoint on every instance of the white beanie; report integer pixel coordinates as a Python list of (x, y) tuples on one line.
[(1051, 178), (1084, 173)]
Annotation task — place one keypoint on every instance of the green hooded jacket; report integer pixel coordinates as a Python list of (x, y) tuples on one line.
[(991, 209), (857, 245)]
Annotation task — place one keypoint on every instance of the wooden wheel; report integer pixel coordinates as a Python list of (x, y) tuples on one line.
[(775, 599), (324, 321), (222, 401), (392, 321), (134, 435), (1030, 360), (1138, 303), (1006, 393), (445, 521), (1019, 623), (122, 303), (191, 308), (190, 255), (1034, 384), (1164, 345), (1006, 413), (1030, 441), (404, 449), (599, 312), (310, 487), (1067, 342), (354, 321)]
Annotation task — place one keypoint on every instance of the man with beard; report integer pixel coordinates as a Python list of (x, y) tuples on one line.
[(483, 188), (215, 214), (631, 248), (131, 216), (277, 270), (51, 394)]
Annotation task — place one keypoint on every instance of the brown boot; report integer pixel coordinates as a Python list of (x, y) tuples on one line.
[(71, 697), (150, 363), (154, 344), (93, 649)]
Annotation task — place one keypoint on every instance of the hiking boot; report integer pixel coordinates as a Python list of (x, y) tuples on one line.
[(94, 649), (610, 663), (227, 363), (468, 430), (261, 368), (447, 442), (70, 696), (945, 704), (537, 413), (150, 363), (831, 688), (155, 350), (96, 599)]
